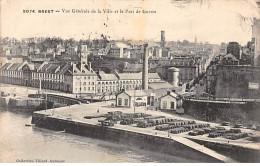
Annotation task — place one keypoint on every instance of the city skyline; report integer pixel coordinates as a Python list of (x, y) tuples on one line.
[(211, 21)]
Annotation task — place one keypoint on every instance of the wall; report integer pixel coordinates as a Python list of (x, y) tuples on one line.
[(123, 96), (168, 99), (219, 111), (233, 82), (241, 154), (87, 84), (133, 139)]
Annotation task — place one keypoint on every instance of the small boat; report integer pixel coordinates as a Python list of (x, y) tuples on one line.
[(28, 125)]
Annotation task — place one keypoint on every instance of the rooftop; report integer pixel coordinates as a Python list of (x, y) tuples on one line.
[(135, 93), (160, 85), (136, 76), (5, 66), (107, 77), (15, 66)]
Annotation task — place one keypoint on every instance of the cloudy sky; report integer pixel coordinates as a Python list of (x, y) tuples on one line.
[(214, 21)]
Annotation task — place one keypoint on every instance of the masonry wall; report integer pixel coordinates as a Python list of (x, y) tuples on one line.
[(238, 153), (233, 82), (134, 139), (218, 112)]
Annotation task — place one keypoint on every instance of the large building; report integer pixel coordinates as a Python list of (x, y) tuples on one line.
[(256, 41), (71, 77), (112, 83), (188, 70), (119, 50), (233, 81), (234, 49), (67, 77)]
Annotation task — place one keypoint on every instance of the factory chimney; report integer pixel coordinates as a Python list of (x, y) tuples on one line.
[(162, 38), (145, 68)]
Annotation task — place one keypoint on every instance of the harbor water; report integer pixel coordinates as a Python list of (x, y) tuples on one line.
[(20, 143)]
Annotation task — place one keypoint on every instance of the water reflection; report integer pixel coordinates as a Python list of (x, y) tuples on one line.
[(20, 142)]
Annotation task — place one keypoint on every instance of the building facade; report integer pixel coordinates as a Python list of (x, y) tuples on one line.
[(131, 98), (170, 101), (74, 78)]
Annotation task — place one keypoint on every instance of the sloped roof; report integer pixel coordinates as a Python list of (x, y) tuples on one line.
[(137, 76), (64, 69), (5, 66), (135, 93), (107, 77), (183, 61), (36, 65), (130, 76), (230, 56), (158, 92), (172, 94), (81, 69), (15, 66), (50, 68), (153, 76), (160, 85), (134, 67)]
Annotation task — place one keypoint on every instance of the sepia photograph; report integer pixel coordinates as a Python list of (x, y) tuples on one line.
[(129, 81)]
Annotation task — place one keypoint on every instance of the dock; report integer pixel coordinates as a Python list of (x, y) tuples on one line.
[(71, 119)]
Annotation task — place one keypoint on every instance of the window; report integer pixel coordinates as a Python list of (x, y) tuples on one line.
[(164, 105), (89, 88), (93, 88), (84, 83), (172, 105), (126, 102), (119, 101)]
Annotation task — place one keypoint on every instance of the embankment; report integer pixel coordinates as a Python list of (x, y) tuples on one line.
[(238, 153), (131, 138)]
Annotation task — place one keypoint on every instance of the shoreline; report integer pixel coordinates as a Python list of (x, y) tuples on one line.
[(173, 146)]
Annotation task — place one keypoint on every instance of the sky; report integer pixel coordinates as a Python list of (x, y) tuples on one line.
[(214, 21)]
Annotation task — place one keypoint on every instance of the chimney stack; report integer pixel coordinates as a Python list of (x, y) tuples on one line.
[(162, 38), (145, 68)]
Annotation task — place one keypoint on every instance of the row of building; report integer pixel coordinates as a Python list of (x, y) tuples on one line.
[(74, 78)]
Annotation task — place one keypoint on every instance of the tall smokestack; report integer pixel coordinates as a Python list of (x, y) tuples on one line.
[(145, 68), (162, 38)]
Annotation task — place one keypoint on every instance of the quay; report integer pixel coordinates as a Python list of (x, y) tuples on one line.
[(71, 119)]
